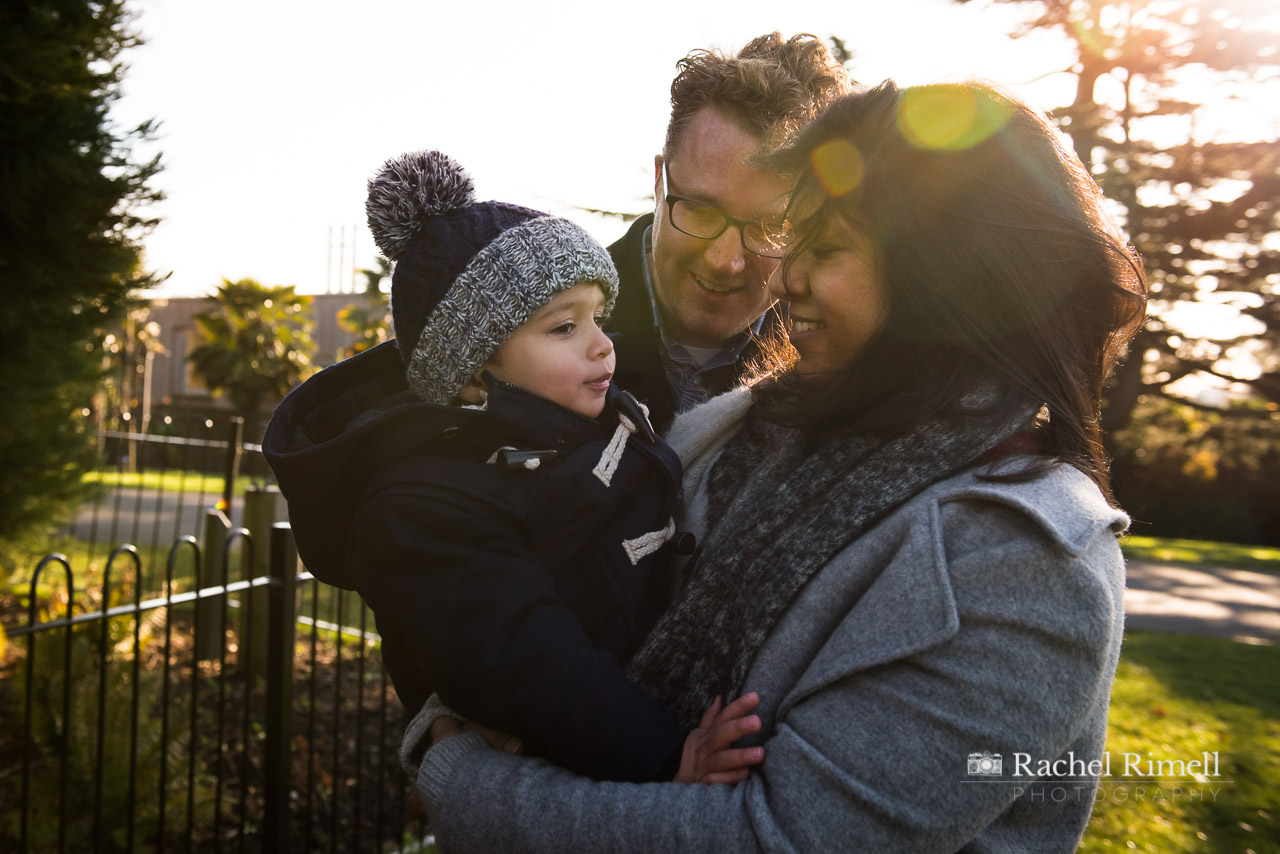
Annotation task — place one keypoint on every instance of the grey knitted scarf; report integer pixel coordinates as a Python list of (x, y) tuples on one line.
[(782, 515)]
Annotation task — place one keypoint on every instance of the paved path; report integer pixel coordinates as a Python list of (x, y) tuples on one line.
[(1220, 601), (140, 515)]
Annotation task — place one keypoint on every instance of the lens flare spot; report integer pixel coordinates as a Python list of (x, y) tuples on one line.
[(838, 166), (949, 117)]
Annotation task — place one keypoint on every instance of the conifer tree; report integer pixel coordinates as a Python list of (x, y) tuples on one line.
[(71, 202), (1199, 201)]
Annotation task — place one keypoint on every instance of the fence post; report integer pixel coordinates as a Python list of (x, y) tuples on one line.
[(262, 509), (213, 571), (232, 468), (279, 721)]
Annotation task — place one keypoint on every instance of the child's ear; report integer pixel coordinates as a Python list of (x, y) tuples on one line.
[(476, 391)]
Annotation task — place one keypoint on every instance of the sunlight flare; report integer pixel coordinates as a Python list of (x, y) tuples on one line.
[(949, 117), (838, 166)]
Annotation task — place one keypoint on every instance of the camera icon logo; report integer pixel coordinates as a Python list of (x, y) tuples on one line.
[(985, 764)]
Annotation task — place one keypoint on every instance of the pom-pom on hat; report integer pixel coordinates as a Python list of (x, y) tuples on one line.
[(467, 274)]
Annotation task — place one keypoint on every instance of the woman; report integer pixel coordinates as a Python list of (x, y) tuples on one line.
[(907, 541)]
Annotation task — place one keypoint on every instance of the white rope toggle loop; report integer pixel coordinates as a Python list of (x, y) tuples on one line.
[(647, 544), (493, 458), (612, 455)]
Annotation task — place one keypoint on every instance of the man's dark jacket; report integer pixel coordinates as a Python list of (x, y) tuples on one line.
[(507, 591), (638, 343)]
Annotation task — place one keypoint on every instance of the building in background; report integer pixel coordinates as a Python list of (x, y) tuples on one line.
[(169, 388)]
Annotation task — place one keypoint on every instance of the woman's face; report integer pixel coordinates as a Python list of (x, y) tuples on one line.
[(836, 297)]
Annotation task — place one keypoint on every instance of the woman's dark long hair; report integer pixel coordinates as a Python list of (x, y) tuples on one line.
[(999, 260)]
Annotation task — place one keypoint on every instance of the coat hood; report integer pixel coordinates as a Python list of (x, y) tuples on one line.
[(331, 435)]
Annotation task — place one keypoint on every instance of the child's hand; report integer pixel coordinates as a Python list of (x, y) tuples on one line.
[(707, 757)]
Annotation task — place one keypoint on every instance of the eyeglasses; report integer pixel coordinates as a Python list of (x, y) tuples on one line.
[(766, 239)]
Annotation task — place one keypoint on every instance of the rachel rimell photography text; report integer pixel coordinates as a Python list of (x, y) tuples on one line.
[(1122, 776)]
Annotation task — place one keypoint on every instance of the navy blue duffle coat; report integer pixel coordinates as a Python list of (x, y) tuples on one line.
[(516, 593)]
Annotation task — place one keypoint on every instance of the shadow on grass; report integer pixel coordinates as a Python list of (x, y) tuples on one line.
[(1201, 553), (1177, 697), (1209, 669)]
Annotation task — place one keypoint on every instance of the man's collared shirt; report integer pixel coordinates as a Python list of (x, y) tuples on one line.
[(691, 382)]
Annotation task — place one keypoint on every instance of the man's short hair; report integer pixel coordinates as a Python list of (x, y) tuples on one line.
[(770, 88)]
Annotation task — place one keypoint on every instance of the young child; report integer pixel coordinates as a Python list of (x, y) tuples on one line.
[(505, 511)]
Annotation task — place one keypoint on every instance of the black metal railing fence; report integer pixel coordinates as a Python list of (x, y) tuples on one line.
[(206, 695), (152, 488), (234, 716)]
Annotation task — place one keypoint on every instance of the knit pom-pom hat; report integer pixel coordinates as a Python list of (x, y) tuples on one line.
[(467, 274)]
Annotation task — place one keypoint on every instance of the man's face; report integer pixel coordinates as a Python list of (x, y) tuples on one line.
[(710, 290)]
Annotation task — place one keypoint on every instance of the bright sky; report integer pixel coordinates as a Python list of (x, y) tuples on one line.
[(275, 112)]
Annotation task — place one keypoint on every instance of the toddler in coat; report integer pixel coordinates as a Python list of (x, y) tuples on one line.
[(504, 510)]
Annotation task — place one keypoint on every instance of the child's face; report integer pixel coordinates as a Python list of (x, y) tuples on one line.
[(560, 353)]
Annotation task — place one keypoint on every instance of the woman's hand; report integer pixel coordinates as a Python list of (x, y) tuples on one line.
[(446, 726), (707, 757)]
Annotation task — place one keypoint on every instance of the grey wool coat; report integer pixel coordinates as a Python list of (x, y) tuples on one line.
[(977, 618)]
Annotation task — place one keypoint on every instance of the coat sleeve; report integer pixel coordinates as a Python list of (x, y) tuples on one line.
[(872, 760), (464, 609)]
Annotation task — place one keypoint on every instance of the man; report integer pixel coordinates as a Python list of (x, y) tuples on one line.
[(692, 301)]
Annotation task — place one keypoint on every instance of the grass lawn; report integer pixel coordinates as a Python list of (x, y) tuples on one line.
[(169, 480), (1201, 552), (1176, 697)]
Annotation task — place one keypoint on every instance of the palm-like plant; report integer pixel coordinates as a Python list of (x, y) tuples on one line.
[(367, 320), (257, 343)]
